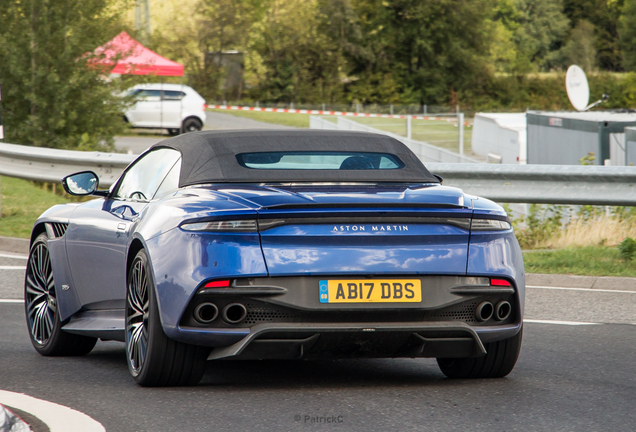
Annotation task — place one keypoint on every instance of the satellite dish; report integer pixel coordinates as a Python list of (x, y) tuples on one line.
[(577, 88)]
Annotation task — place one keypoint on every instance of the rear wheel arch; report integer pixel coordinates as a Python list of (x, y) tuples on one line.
[(135, 246), (133, 250)]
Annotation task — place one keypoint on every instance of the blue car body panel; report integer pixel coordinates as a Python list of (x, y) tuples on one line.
[(358, 249), (97, 248), (182, 260)]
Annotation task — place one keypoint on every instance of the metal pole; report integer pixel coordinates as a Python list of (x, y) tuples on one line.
[(408, 127), (460, 126), (425, 109), (1, 127), (161, 103), (391, 109)]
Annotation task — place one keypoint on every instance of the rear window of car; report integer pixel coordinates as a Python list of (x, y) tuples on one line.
[(319, 161), (148, 95)]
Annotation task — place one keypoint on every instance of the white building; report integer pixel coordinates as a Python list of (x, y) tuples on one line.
[(500, 137)]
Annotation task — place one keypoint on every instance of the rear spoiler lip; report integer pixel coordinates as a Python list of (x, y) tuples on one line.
[(300, 206), (460, 221)]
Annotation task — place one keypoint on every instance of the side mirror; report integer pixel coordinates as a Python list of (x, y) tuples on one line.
[(82, 183)]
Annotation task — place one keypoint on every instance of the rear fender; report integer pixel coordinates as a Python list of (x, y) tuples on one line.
[(182, 260), (497, 253)]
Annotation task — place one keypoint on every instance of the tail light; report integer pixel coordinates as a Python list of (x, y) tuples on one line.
[(489, 225), (222, 226), (499, 282), (218, 284)]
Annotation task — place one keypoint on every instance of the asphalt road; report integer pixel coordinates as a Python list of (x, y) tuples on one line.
[(568, 378)]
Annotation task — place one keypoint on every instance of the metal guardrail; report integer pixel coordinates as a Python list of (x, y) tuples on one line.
[(548, 184), (543, 184), (50, 165)]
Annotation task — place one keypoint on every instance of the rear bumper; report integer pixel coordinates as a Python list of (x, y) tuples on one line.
[(284, 319), (349, 340)]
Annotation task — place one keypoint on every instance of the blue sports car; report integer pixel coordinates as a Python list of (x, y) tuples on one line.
[(276, 245)]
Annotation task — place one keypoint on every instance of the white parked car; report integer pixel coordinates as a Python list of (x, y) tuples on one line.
[(175, 107)]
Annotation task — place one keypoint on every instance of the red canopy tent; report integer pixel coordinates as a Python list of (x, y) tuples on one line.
[(134, 58)]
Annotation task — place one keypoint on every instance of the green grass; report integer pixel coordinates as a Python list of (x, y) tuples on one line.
[(22, 202), (286, 119), (585, 261), (439, 133)]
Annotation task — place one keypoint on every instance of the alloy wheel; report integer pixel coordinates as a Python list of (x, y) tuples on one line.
[(41, 301), (137, 305)]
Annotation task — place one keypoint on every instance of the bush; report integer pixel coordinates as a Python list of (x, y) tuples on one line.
[(627, 248)]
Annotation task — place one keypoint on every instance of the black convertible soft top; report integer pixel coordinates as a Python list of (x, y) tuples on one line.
[(210, 156)]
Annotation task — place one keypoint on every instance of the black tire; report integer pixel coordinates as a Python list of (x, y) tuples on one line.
[(154, 359), (191, 125), (40, 307), (499, 361), (174, 131)]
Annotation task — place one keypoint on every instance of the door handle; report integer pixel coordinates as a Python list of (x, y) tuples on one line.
[(121, 227)]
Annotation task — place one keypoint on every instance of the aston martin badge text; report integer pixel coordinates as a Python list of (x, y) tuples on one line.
[(344, 228)]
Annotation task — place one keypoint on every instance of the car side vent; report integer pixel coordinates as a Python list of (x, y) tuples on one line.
[(56, 229)]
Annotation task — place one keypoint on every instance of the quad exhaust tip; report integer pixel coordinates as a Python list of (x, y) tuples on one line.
[(502, 310), (484, 311), (234, 313), (206, 313)]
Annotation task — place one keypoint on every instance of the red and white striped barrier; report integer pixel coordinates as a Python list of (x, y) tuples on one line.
[(320, 112)]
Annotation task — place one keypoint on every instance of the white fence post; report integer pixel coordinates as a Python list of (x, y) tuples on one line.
[(460, 126), (409, 130)]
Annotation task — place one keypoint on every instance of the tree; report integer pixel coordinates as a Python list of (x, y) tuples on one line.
[(580, 49), (539, 29), (52, 96), (605, 15), (505, 21), (628, 35), (295, 54), (430, 49)]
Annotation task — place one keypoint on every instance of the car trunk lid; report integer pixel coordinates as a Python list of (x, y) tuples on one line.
[(358, 229)]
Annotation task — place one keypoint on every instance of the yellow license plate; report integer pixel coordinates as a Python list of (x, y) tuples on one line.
[(371, 291)]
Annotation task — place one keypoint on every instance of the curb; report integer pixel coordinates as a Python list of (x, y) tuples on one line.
[(14, 245), (575, 281), (57, 418)]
